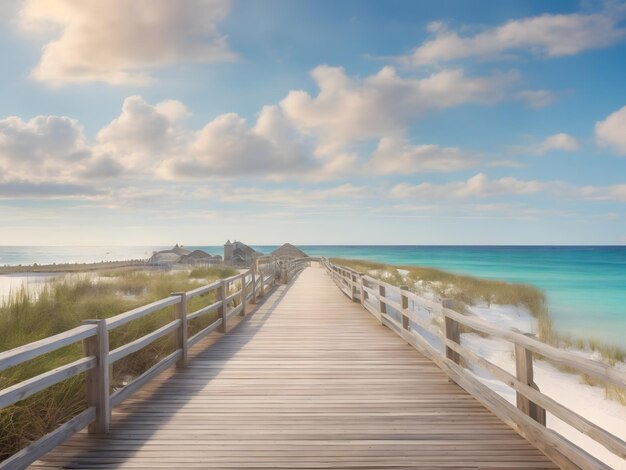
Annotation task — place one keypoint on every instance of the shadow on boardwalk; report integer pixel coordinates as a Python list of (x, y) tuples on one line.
[(93, 451), (310, 380)]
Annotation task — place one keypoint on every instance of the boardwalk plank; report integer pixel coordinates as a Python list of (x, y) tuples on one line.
[(310, 380)]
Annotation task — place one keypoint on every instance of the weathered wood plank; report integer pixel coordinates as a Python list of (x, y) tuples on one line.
[(29, 387), (32, 350), (35, 450), (308, 380), (142, 342)]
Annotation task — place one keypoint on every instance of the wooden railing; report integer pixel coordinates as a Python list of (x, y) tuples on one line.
[(390, 305), (231, 296)]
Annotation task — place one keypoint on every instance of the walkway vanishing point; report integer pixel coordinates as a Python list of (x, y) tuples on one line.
[(309, 379)]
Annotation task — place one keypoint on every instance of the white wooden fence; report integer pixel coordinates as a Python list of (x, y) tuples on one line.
[(231, 296), (528, 418)]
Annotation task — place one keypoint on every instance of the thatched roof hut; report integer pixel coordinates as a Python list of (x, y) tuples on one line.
[(289, 251)]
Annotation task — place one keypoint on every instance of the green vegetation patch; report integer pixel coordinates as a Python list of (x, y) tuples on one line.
[(64, 304), (468, 290)]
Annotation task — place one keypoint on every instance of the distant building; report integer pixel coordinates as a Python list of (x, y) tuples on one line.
[(239, 254), (180, 255), (289, 251), (179, 250), (200, 257), (164, 258)]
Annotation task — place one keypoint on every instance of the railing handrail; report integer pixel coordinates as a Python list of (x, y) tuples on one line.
[(252, 284), (373, 294), (528, 418)]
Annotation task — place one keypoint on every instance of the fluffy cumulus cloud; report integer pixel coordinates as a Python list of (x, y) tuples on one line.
[(611, 132), (478, 186), (49, 157), (396, 155), (561, 142), (143, 133), (348, 110), (120, 41), (43, 147), (229, 146), (549, 35), (54, 148)]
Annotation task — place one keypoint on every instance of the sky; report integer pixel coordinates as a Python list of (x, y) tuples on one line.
[(149, 122)]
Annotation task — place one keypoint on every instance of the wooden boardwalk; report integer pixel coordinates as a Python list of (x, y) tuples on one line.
[(310, 380)]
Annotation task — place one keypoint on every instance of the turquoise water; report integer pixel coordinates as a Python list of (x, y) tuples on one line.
[(585, 286)]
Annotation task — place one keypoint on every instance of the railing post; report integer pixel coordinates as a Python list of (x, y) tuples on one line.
[(382, 306), (262, 286), (253, 284), (452, 332), (221, 310), (182, 333), (352, 287), (405, 305), (243, 295), (97, 379), (363, 293), (524, 373)]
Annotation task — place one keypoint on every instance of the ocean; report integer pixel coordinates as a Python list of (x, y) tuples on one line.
[(585, 285)]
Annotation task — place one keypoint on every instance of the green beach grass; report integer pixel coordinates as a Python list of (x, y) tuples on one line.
[(64, 304), (467, 291)]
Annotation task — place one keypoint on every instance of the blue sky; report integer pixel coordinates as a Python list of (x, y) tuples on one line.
[(318, 122)]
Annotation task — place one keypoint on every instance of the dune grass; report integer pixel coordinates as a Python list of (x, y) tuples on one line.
[(465, 290), (64, 304), (468, 290)]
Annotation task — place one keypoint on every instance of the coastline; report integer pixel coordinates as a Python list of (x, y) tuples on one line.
[(591, 400), (71, 267)]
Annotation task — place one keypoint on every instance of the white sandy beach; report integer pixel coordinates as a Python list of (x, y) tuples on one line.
[(32, 282), (567, 389)]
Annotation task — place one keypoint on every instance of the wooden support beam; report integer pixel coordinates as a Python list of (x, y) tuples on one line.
[(451, 331), (182, 332), (405, 305), (363, 293), (353, 287), (97, 379), (253, 284), (221, 310), (243, 295), (382, 306), (524, 373)]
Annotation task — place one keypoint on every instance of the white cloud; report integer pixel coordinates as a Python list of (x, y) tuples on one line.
[(120, 41), (227, 146), (294, 197), (616, 192), (396, 155), (611, 132), (478, 186), (19, 189), (546, 35), (560, 142), (348, 110), (45, 146), (143, 134), (535, 99)]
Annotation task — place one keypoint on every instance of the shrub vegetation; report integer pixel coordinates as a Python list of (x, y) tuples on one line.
[(64, 304)]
